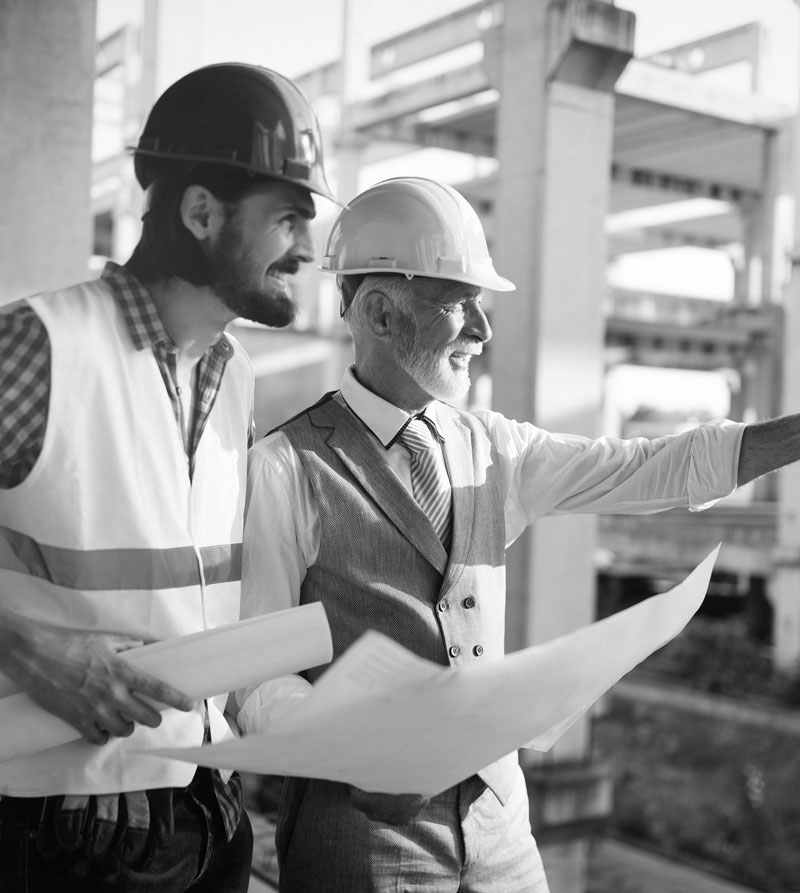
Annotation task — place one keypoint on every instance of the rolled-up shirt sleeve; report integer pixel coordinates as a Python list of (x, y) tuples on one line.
[(280, 539), (548, 473)]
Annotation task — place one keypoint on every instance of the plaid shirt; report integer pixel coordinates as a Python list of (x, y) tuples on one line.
[(25, 396), (25, 373)]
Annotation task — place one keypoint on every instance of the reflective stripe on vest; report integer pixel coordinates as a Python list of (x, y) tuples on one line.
[(102, 569)]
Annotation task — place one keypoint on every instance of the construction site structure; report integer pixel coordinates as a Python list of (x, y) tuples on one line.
[(569, 136)]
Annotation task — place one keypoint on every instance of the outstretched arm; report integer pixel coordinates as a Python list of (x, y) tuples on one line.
[(80, 677), (767, 446)]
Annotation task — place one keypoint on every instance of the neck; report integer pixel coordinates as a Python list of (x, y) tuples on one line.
[(193, 315), (394, 385)]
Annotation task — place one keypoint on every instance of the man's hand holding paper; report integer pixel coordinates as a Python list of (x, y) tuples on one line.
[(202, 665)]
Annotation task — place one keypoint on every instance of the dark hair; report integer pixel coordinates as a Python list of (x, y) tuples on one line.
[(166, 248)]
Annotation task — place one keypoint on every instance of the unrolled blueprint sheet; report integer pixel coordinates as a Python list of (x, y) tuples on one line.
[(385, 720)]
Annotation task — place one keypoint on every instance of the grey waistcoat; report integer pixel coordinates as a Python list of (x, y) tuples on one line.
[(381, 565)]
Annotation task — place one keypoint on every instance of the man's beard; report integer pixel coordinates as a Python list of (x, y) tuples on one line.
[(243, 289), (430, 370)]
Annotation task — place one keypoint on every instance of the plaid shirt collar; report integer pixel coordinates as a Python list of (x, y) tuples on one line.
[(141, 314)]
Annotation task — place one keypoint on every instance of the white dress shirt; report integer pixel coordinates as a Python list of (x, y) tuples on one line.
[(544, 473)]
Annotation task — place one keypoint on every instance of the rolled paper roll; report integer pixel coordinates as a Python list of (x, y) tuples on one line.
[(201, 665)]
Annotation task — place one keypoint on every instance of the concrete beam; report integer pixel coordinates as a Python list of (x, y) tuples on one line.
[(434, 38), (677, 89), (690, 187), (323, 81), (421, 136), (742, 44), (434, 91), (589, 42)]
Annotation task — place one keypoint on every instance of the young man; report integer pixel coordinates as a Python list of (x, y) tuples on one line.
[(125, 417), (394, 510)]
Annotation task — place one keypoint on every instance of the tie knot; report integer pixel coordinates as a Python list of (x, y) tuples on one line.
[(417, 436)]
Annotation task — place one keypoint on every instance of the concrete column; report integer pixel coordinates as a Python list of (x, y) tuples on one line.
[(354, 67), (560, 61), (784, 582), (46, 98)]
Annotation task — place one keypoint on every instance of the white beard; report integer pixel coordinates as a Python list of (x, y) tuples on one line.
[(432, 371)]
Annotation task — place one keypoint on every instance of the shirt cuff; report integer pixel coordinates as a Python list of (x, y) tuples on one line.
[(714, 463), (269, 701)]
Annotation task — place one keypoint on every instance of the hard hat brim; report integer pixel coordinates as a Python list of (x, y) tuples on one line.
[(490, 280)]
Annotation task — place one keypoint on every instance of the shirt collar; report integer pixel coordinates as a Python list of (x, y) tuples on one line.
[(140, 313), (384, 419)]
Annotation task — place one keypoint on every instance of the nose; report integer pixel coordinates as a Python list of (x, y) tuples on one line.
[(303, 248), (477, 323)]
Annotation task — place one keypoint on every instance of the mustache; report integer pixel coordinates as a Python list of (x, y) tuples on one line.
[(288, 265), (469, 345)]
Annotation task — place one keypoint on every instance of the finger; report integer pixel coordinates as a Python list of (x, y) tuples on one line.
[(94, 734), (128, 730), (115, 722), (149, 688), (132, 709), (119, 642), (125, 727)]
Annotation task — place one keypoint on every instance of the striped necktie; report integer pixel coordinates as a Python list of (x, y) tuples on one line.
[(429, 479)]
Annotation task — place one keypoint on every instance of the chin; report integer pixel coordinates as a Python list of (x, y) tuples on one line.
[(268, 308), (448, 388)]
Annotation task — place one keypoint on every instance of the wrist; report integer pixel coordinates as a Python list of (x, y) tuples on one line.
[(18, 644)]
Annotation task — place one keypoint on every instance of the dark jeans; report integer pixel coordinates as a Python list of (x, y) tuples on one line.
[(199, 856)]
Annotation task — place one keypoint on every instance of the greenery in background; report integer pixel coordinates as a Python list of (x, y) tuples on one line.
[(698, 789), (717, 655)]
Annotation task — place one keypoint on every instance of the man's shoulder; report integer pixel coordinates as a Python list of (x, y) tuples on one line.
[(239, 356), (17, 311), (318, 412), (26, 304), (88, 294), (470, 418), (28, 312)]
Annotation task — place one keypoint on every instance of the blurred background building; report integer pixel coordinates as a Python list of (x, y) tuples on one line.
[(636, 167)]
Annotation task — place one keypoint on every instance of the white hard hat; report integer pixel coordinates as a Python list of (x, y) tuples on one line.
[(414, 226)]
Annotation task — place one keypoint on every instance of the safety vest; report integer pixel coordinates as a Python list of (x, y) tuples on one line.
[(108, 532)]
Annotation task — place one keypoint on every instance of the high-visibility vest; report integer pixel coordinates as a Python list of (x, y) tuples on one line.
[(108, 532)]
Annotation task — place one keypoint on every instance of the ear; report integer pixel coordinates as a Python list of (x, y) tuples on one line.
[(202, 213), (378, 314)]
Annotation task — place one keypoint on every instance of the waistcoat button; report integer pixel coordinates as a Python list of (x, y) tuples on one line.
[(477, 650), (454, 651), (443, 605), (469, 602)]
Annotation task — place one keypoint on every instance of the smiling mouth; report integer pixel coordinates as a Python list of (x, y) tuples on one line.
[(461, 359)]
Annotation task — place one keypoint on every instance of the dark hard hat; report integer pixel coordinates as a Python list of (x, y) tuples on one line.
[(240, 116)]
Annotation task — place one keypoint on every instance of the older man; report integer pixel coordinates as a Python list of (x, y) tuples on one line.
[(394, 509)]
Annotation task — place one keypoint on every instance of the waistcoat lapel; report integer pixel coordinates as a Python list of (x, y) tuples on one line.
[(363, 458)]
